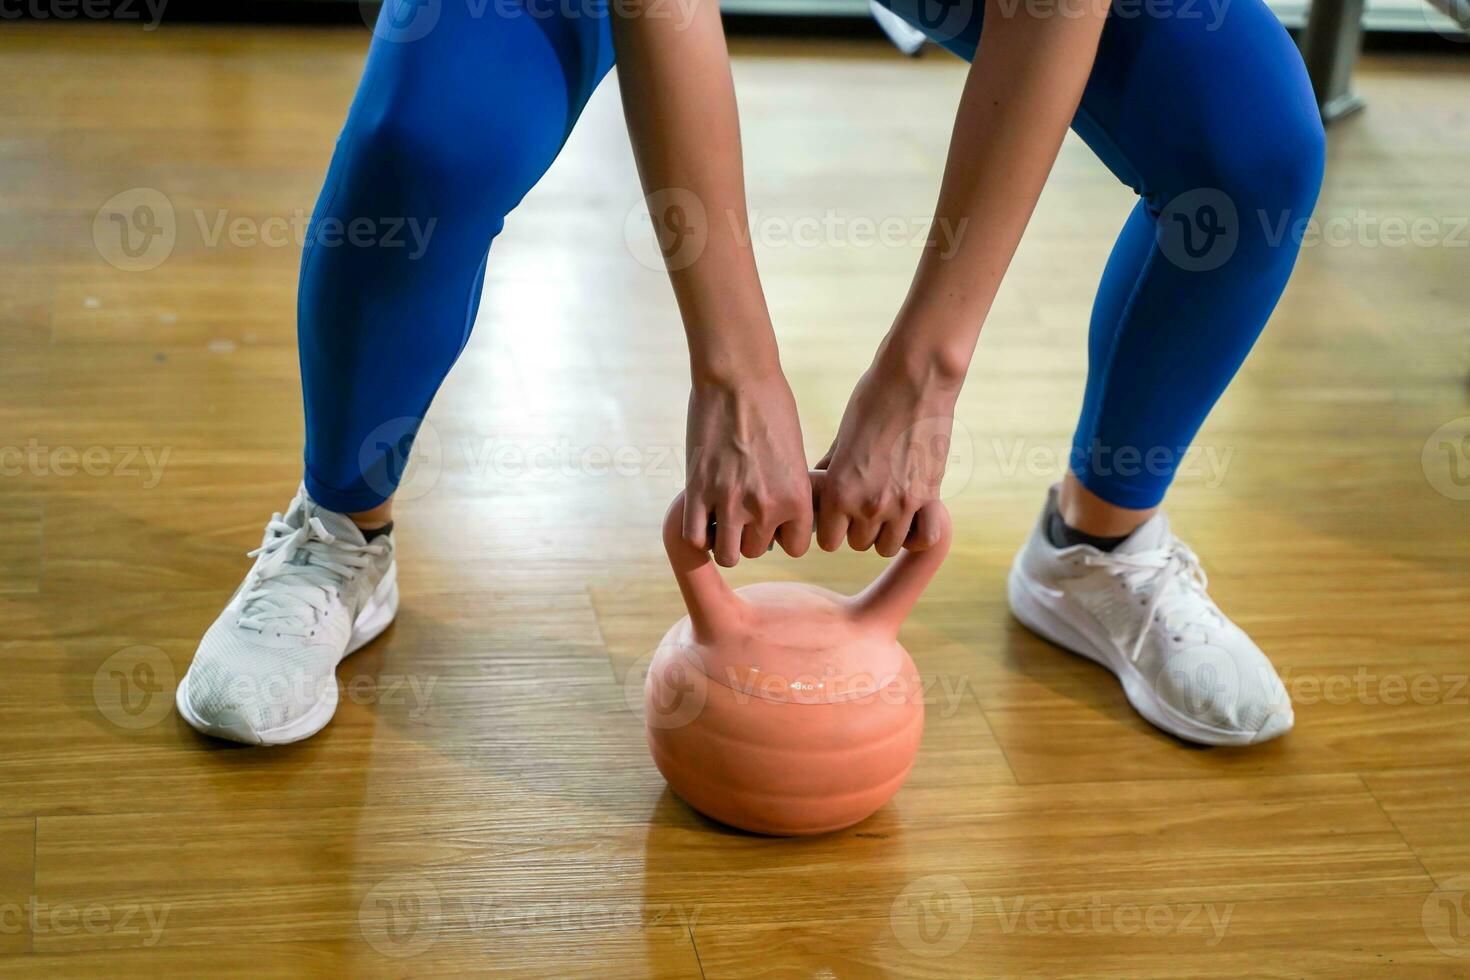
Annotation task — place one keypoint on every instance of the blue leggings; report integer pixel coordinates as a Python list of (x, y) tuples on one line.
[(1207, 115)]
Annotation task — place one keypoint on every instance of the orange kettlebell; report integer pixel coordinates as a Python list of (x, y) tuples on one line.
[(784, 708)]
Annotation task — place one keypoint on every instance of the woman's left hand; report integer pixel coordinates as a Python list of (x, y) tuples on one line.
[(888, 459)]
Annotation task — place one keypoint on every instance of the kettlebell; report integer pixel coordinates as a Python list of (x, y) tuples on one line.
[(783, 708)]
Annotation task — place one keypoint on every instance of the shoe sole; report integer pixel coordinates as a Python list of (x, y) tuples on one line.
[(1037, 616), (370, 623)]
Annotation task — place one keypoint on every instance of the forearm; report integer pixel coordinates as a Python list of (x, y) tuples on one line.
[(1019, 98), (679, 99)]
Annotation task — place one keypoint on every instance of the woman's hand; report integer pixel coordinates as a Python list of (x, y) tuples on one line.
[(746, 466), (747, 469), (1022, 91), (888, 458)]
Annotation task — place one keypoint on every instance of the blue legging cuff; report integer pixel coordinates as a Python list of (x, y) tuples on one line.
[(351, 501)]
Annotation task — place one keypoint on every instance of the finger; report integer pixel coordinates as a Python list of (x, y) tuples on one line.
[(757, 539), (925, 530), (893, 534), (826, 460), (796, 534), (728, 528), (831, 524), (696, 523), (862, 533)]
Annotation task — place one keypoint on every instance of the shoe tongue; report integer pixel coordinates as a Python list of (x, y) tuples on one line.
[(1151, 535)]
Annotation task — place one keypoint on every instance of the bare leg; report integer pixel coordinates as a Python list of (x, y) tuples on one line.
[(1085, 511), (371, 520)]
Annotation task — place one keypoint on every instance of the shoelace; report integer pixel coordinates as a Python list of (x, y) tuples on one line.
[(1177, 581), (292, 595)]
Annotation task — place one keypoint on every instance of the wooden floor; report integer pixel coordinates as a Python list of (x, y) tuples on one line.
[(484, 801)]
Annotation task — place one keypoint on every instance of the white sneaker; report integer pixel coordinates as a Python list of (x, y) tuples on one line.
[(265, 672), (1142, 612)]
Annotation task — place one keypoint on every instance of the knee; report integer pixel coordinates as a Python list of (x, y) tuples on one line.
[(475, 157), (412, 151), (1288, 171), (1277, 173)]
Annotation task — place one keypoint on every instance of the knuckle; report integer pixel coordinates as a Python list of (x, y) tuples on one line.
[(794, 504)]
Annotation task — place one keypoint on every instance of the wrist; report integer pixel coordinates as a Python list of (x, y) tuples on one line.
[(923, 362), (734, 370)]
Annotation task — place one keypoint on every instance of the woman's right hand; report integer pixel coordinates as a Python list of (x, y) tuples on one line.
[(747, 470)]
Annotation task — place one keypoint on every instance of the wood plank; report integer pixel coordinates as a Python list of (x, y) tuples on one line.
[(17, 884)]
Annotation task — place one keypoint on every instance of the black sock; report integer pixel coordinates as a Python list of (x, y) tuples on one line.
[(1063, 535), (376, 532)]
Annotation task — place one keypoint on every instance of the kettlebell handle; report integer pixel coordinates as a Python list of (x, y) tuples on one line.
[(715, 609)]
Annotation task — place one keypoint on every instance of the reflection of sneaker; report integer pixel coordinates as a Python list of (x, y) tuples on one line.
[(1141, 611), (265, 672)]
